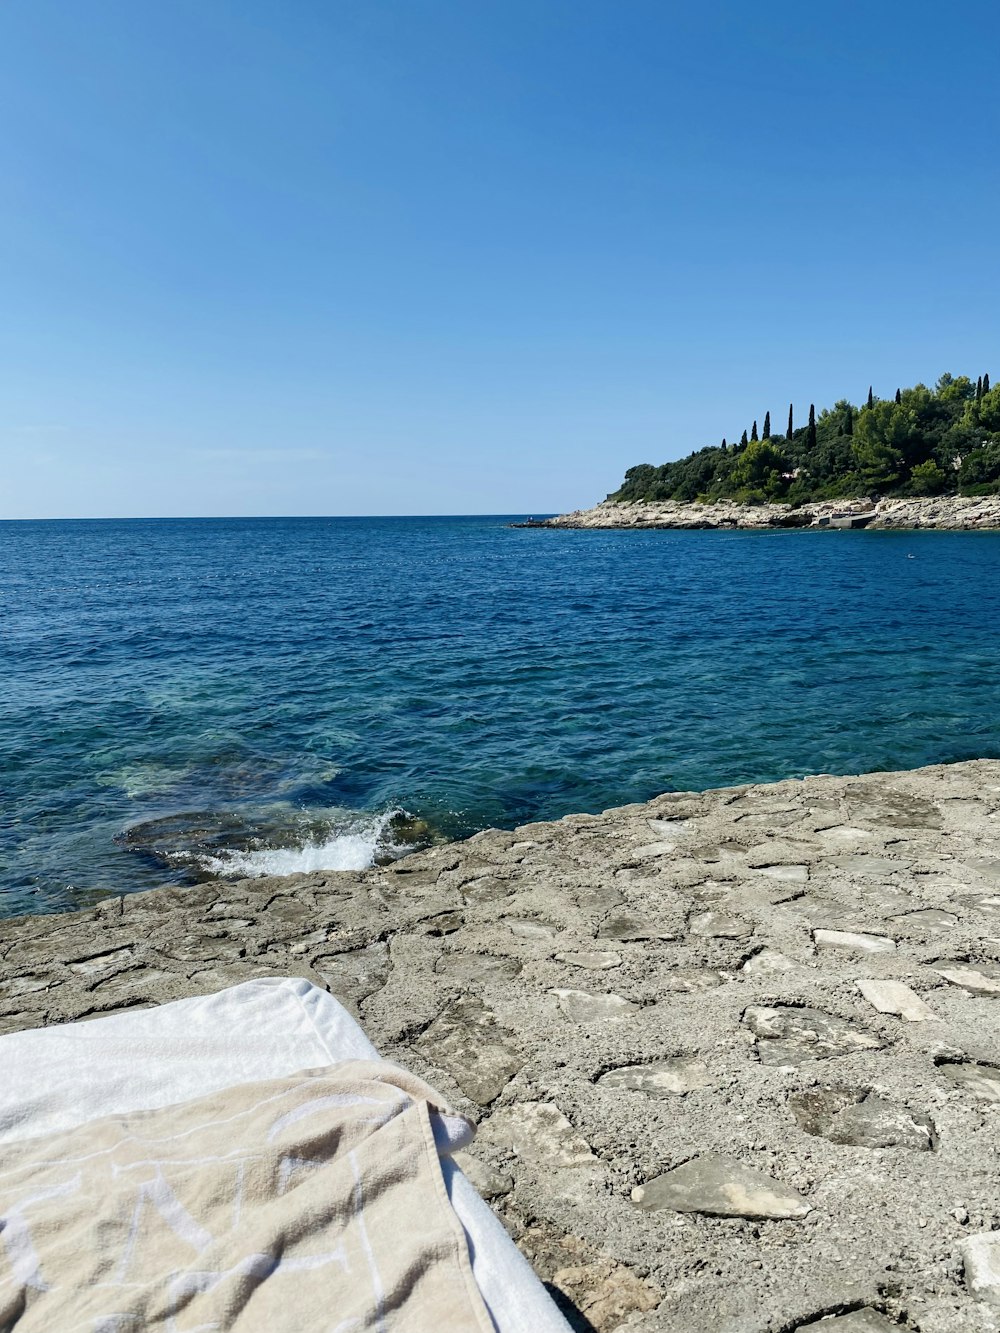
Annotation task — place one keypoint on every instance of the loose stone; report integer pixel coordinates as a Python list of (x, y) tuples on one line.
[(721, 1187), (892, 997), (662, 1078), (853, 942)]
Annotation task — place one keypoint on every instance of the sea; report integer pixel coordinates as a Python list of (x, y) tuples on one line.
[(189, 699)]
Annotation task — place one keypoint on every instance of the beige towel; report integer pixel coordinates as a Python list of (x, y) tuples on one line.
[(312, 1202)]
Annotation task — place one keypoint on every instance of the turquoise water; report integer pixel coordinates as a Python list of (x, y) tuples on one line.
[(279, 691)]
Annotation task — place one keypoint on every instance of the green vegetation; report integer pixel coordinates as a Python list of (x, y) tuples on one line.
[(940, 441)]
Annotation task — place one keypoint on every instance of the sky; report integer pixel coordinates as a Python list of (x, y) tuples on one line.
[(434, 256)]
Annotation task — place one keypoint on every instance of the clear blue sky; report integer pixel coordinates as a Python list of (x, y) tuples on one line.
[(452, 256)]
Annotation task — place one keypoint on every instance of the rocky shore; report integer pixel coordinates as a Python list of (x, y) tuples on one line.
[(951, 513), (734, 1053)]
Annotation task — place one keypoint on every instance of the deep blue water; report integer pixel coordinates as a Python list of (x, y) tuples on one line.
[(290, 683)]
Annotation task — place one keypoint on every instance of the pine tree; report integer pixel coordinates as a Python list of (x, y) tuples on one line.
[(871, 399), (753, 433), (789, 421), (899, 396), (743, 440), (811, 437), (767, 426), (986, 384)]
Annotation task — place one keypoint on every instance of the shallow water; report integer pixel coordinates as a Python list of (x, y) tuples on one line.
[(302, 679)]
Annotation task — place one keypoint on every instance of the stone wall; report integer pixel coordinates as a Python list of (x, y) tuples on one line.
[(734, 1054)]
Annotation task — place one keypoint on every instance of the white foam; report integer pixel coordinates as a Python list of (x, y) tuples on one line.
[(355, 849)]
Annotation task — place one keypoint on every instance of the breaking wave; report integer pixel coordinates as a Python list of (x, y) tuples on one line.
[(373, 838)]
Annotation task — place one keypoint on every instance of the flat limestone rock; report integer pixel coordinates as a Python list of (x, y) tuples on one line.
[(849, 941), (626, 925), (583, 1007), (353, 976), (661, 1078), (981, 1260), (857, 1321), (930, 918), (688, 979), (540, 1133), (650, 849), (791, 874), (768, 963), (719, 925), (488, 1183), (596, 960), (467, 967), (862, 864), (721, 1186), (892, 997), (860, 1119), (982, 1081), (532, 930), (974, 978), (787, 1035), (827, 912), (467, 1043)]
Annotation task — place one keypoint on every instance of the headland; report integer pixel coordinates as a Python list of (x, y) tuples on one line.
[(733, 1053), (944, 513)]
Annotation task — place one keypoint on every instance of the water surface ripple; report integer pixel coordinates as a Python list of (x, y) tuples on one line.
[(307, 677)]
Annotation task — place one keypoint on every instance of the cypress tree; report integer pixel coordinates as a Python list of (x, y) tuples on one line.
[(743, 440), (849, 420), (871, 399), (979, 389), (986, 384), (811, 437), (899, 396), (753, 433), (767, 426), (789, 421), (724, 446)]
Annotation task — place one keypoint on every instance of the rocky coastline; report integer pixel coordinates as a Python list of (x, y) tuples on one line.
[(950, 513), (733, 1053)]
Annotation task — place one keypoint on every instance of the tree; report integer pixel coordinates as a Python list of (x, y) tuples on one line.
[(871, 399), (723, 446), (811, 434), (986, 384), (789, 435), (743, 440), (753, 433), (849, 420), (979, 390), (899, 397), (767, 426)]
